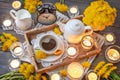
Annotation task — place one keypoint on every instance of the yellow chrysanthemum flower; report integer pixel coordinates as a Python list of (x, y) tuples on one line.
[(86, 64), (40, 55), (57, 31), (4, 48), (31, 68), (39, 3), (7, 35), (43, 77), (63, 72), (61, 7), (38, 76), (32, 77), (99, 15), (26, 74)]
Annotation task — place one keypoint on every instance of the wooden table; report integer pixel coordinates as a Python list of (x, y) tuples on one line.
[(5, 7)]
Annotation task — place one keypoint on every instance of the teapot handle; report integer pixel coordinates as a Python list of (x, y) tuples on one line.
[(88, 30), (13, 14)]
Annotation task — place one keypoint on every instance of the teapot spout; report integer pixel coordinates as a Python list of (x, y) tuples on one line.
[(61, 25)]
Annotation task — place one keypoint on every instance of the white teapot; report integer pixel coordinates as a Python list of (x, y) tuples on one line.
[(74, 30), (22, 19)]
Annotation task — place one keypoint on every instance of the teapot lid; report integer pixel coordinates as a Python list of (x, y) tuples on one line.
[(75, 25)]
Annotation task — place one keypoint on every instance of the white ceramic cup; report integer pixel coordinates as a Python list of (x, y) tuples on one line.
[(48, 43)]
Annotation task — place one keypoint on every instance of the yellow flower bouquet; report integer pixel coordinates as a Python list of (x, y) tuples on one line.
[(99, 15)]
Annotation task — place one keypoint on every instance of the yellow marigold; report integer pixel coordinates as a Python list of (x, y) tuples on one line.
[(86, 64), (99, 15), (38, 76), (32, 77), (40, 55), (61, 7), (63, 72), (57, 31)]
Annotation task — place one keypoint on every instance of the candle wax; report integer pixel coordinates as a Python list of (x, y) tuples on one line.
[(109, 37), (113, 54), (75, 70), (7, 23), (15, 63), (16, 4), (87, 43), (18, 51), (55, 77), (73, 10), (92, 76), (71, 51)]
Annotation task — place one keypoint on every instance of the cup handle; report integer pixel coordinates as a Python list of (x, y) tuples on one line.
[(88, 30), (13, 14)]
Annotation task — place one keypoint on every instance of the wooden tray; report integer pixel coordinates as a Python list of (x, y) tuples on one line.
[(31, 34)]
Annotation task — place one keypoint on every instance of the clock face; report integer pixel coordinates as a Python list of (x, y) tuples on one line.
[(47, 18)]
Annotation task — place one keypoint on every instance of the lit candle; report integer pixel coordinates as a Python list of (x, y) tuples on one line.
[(109, 37), (73, 10), (87, 42), (14, 63), (75, 70), (71, 51), (92, 76), (55, 76), (18, 51), (7, 23), (16, 4), (113, 54)]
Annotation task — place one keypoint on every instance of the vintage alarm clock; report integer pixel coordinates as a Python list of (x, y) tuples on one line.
[(46, 14)]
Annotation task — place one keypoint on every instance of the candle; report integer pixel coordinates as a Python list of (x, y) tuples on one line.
[(87, 42), (17, 51), (16, 4), (113, 54), (71, 51), (73, 10), (109, 37), (92, 76), (7, 23), (14, 63), (75, 70), (55, 76)]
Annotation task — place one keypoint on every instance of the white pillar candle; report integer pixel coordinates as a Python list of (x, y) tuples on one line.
[(17, 51), (16, 4), (71, 51), (15, 63), (73, 10), (55, 76), (7, 23), (75, 70)]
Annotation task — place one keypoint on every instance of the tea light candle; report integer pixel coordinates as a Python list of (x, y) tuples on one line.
[(109, 37), (87, 42), (55, 76), (16, 4), (17, 51), (92, 76), (75, 70), (113, 54), (73, 10), (7, 23), (14, 63), (71, 51)]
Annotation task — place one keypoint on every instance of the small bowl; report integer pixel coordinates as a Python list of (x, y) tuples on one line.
[(94, 73), (115, 49)]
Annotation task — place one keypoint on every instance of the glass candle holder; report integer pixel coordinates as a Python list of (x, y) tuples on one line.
[(72, 51), (73, 11), (17, 49), (91, 75), (112, 54), (55, 76), (109, 38), (14, 64), (87, 42), (16, 5), (7, 24), (75, 71)]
